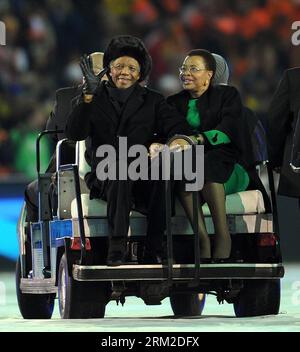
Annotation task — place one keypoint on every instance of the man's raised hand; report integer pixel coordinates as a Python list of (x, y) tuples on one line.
[(91, 81)]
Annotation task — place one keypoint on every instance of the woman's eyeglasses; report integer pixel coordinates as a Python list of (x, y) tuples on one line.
[(191, 69)]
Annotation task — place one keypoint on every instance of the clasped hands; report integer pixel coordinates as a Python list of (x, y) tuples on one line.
[(177, 145)]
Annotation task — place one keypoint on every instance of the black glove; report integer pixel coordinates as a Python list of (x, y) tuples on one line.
[(91, 81)]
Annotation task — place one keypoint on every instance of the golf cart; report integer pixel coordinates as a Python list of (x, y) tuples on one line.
[(64, 254)]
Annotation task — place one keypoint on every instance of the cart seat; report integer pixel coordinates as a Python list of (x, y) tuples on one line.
[(241, 203)]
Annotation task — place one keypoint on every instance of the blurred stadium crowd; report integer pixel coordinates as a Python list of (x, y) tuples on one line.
[(45, 39)]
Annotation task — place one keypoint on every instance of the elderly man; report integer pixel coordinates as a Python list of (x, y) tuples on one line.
[(122, 107)]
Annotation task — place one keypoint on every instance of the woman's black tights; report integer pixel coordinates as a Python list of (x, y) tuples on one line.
[(214, 195)]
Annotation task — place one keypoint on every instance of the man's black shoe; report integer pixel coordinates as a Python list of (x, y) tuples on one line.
[(115, 258), (116, 251), (151, 258)]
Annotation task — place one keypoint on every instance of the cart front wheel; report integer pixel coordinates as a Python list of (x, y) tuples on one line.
[(33, 306), (80, 300)]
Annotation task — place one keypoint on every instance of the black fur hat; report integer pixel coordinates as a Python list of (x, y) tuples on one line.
[(127, 45)]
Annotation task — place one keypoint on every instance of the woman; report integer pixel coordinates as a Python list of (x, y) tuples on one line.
[(122, 107), (215, 114)]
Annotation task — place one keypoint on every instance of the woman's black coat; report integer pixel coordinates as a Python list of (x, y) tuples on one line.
[(282, 118), (220, 108)]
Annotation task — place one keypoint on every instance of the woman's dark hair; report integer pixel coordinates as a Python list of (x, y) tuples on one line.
[(210, 62)]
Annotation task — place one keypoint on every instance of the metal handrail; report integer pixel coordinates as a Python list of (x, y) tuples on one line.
[(82, 236), (194, 224), (59, 152), (273, 199), (40, 136)]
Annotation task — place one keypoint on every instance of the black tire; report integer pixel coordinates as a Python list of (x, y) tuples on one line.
[(80, 300), (258, 297), (33, 306), (187, 304)]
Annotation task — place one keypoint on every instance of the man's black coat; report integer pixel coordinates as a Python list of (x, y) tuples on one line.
[(282, 118), (146, 113)]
